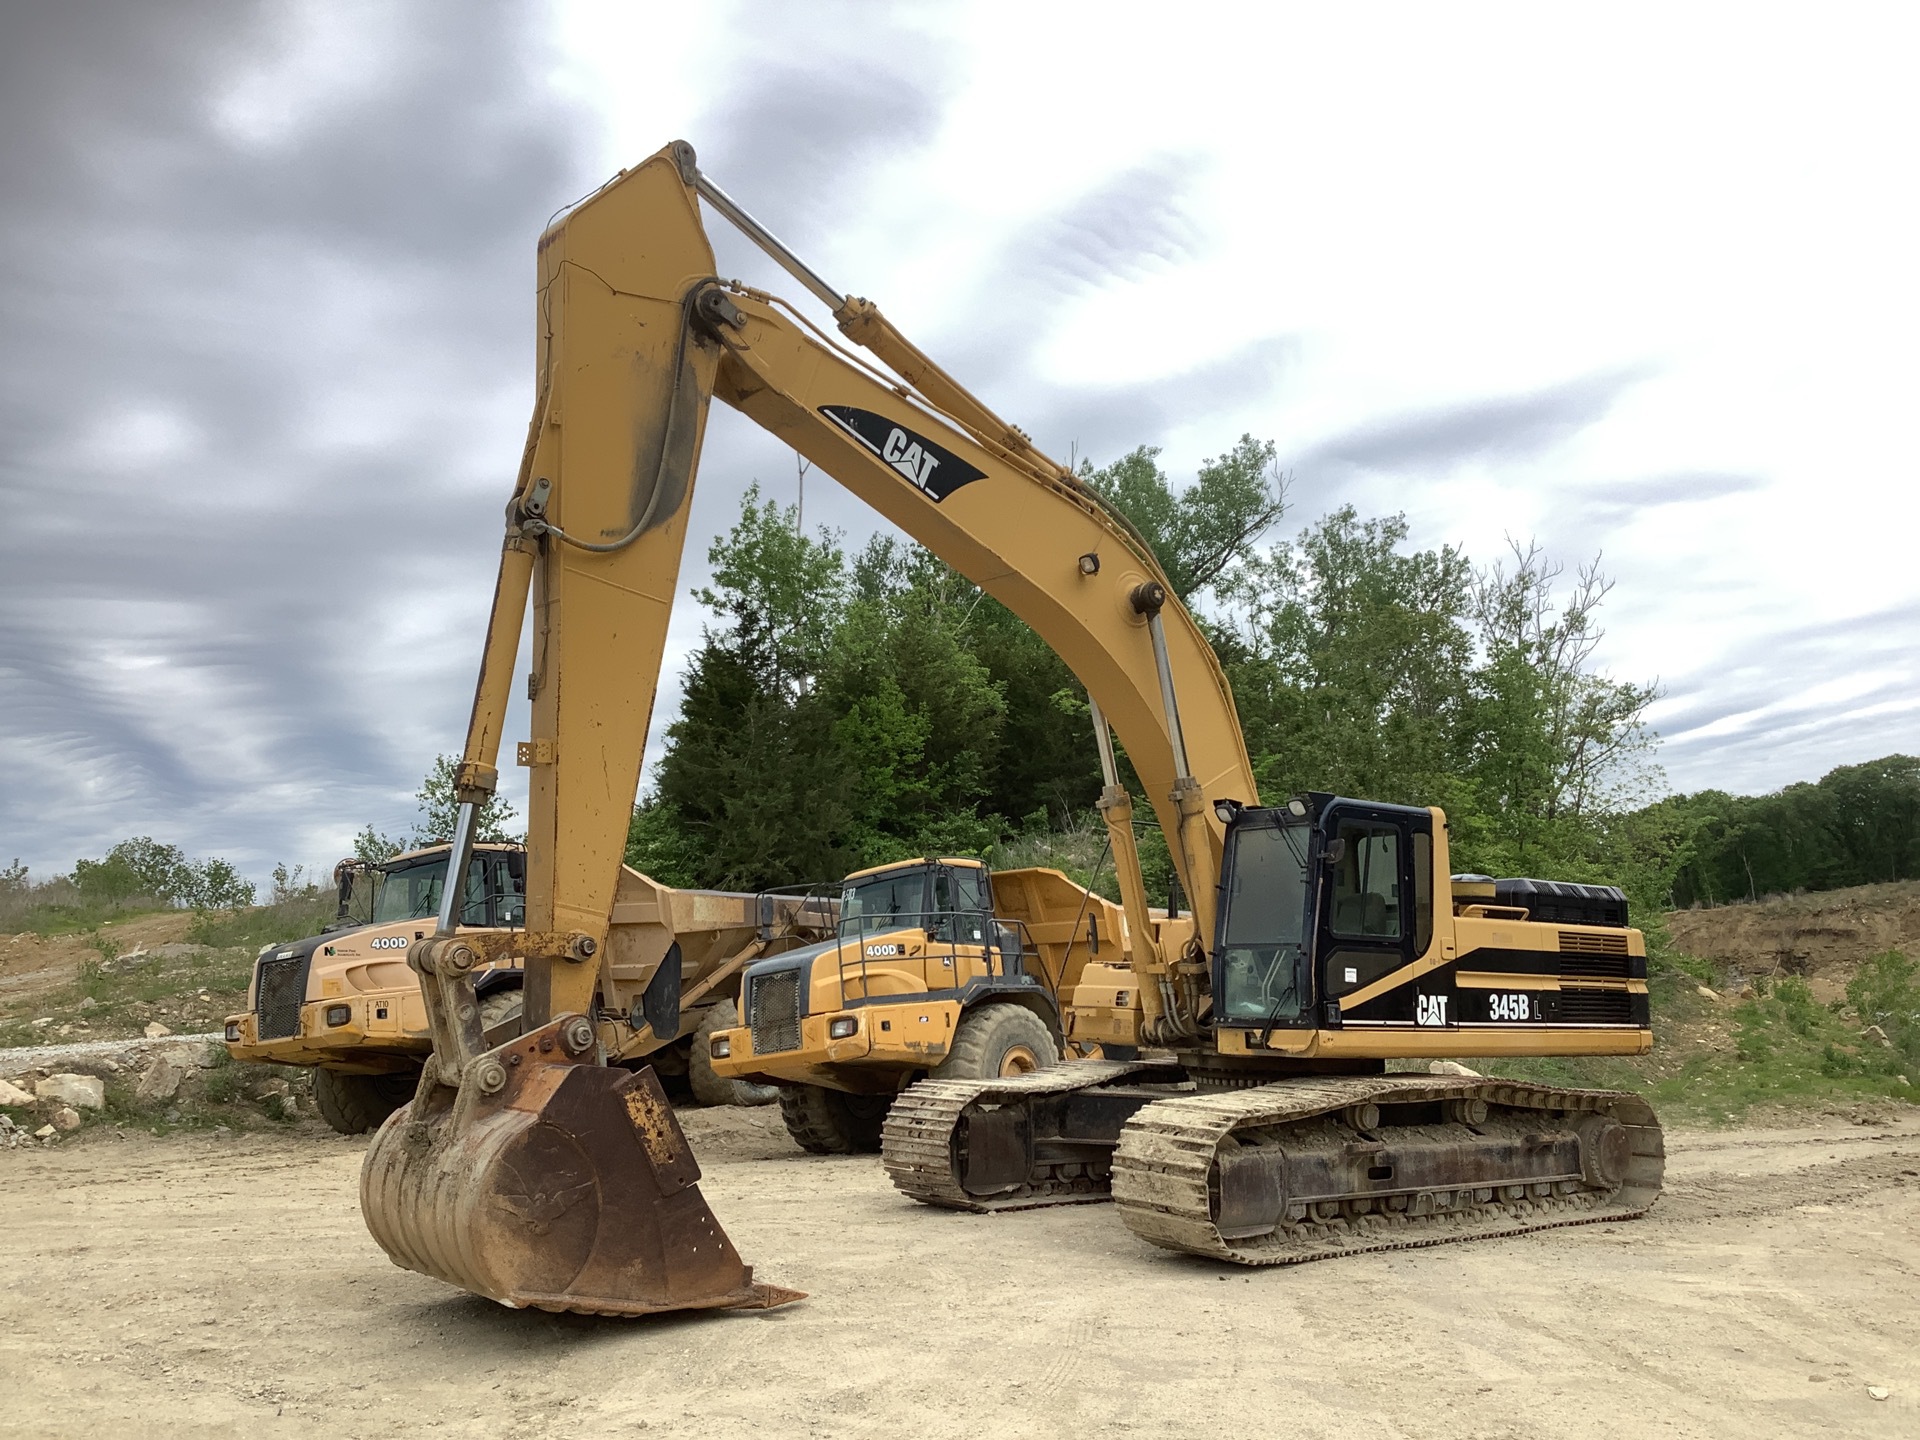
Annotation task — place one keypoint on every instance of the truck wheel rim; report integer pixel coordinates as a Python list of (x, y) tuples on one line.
[(1019, 1060)]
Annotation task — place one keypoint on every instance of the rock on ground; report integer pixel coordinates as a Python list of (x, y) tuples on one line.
[(87, 1092), (11, 1094), (161, 1079)]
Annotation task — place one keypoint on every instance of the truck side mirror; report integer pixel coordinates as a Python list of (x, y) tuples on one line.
[(1335, 852)]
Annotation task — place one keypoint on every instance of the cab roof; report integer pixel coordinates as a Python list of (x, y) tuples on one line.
[(443, 847), (910, 864)]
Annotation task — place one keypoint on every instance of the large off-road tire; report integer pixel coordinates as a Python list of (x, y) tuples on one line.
[(831, 1122), (994, 1040), (355, 1104), (709, 1086)]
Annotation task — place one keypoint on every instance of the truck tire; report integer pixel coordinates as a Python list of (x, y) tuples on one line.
[(355, 1104), (710, 1087), (995, 1040), (831, 1122)]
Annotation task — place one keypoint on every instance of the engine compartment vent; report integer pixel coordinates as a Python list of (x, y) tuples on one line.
[(1560, 902)]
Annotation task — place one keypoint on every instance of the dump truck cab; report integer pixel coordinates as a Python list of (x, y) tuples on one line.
[(345, 997), (344, 1002)]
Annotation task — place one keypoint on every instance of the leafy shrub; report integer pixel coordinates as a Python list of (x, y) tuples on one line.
[(1886, 993)]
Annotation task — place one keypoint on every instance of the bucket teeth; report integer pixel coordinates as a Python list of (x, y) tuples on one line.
[(570, 1188)]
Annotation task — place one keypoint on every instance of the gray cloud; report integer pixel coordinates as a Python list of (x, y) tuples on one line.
[(1622, 500), (1774, 723), (256, 391), (1124, 227), (1503, 428)]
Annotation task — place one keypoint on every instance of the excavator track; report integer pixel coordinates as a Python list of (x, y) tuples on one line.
[(1168, 1168), (917, 1142)]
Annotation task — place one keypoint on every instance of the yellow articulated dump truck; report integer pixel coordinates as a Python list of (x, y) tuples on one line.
[(345, 1002), (938, 967)]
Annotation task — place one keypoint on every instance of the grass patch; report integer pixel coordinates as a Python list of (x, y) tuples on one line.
[(75, 916), (293, 919), (1780, 1048)]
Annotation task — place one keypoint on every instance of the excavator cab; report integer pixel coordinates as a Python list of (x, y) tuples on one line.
[(1341, 928), (1322, 897)]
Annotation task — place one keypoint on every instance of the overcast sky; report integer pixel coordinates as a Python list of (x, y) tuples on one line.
[(1637, 281)]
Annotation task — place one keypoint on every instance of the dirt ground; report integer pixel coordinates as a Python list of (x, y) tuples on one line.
[(225, 1286)]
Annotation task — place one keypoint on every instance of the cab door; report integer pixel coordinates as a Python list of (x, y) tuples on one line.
[(1366, 926), (960, 930)]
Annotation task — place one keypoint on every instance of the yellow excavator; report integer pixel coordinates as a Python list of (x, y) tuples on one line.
[(1324, 936)]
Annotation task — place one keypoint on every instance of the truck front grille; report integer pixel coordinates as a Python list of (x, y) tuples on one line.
[(773, 1011), (280, 989)]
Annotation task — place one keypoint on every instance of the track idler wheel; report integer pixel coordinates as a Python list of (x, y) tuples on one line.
[(546, 1180)]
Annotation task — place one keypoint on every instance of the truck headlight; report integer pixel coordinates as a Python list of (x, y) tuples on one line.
[(339, 1014), (233, 1032), (719, 1046), (843, 1027)]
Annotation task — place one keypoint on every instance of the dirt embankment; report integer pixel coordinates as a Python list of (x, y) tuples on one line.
[(1824, 937), (36, 965)]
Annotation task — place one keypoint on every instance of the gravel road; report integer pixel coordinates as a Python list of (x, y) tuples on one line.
[(226, 1287), (128, 1054)]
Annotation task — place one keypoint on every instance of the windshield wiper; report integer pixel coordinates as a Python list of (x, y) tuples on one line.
[(1293, 844), (1290, 955)]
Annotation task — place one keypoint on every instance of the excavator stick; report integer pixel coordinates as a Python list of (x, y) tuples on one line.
[(532, 1172), (555, 1183)]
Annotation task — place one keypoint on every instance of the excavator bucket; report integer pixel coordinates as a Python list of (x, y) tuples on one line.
[(546, 1180)]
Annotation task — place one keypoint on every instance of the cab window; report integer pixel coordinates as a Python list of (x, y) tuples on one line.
[(884, 901), (509, 892), (1422, 892), (474, 909), (959, 899), (1366, 887)]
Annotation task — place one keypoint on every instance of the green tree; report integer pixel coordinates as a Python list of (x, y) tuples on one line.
[(777, 592), (750, 780), (140, 867), (1352, 662), (370, 845), (1199, 534), (751, 790), (917, 714), (440, 809), (214, 884), (1858, 824), (1558, 746)]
